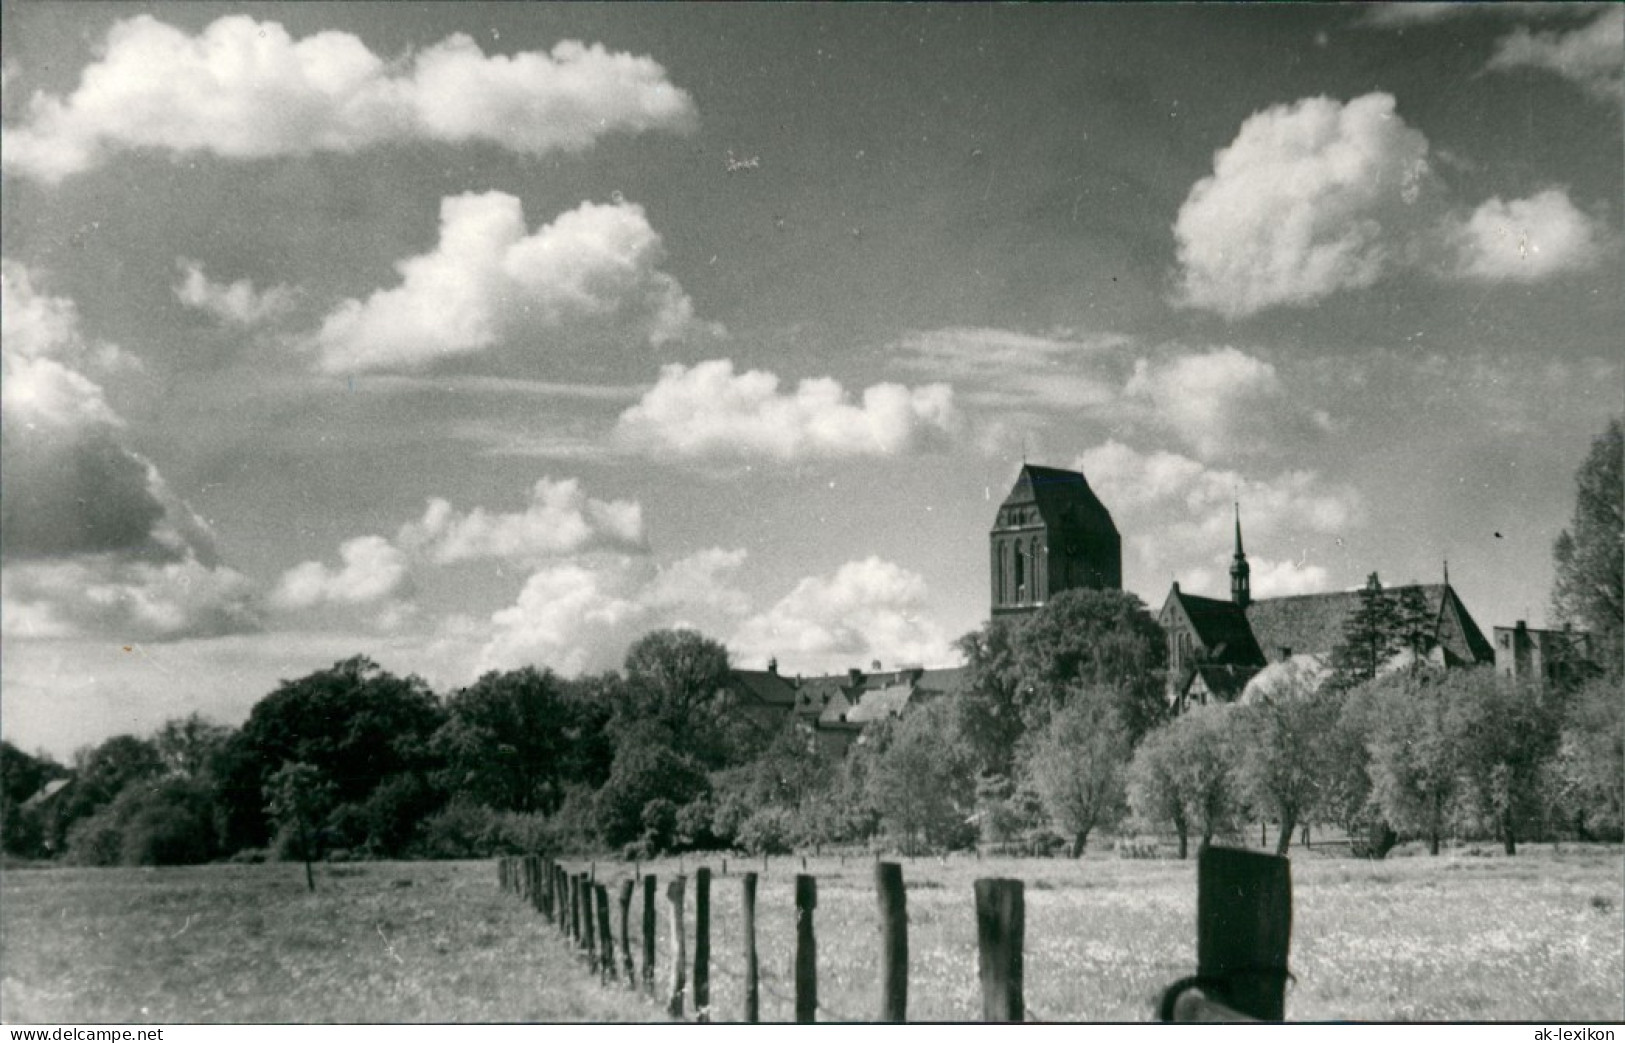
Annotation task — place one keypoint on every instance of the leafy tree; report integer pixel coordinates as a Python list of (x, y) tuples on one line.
[(647, 767), (987, 710), (1591, 757), (354, 722), (1370, 637), (1414, 624), (508, 740), (1181, 774), (1095, 639), (1280, 734), (793, 775), (1076, 764), (1415, 763), (920, 779), (1587, 590), (191, 746), (679, 680), (21, 777), (297, 798), (1505, 734), (1347, 796)]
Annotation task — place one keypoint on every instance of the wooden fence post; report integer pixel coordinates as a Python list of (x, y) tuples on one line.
[(606, 939), (625, 899), (752, 1010), (575, 909), (649, 934), (1244, 929), (1000, 936), (806, 950), (679, 954), (589, 928), (893, 942), (702, 944), (561, 901)]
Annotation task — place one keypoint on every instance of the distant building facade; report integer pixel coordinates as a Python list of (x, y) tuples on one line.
[(837, 707), (1216, 646), (1544, 657), (1051, 534)]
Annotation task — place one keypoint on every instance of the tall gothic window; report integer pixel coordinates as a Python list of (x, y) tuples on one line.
[(1021, 574)]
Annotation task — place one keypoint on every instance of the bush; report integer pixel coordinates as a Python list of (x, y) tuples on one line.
[(169, 822), (766, 832), (96, 840), (462, 829)]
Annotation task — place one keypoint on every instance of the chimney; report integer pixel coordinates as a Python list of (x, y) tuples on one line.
[(854, 676), (773, 666)]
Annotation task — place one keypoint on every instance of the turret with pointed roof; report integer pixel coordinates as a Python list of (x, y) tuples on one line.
[(1051, 534), (1241, 591)]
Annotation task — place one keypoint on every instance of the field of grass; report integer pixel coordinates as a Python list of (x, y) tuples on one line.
[(1459, 937)]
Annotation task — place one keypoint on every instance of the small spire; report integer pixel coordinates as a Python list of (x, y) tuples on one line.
[(1239, 553), (1240, 572), (1447, 572)]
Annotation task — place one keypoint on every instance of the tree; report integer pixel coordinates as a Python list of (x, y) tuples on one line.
[(507, 741), (1591, 757), (1370, 637), (679, 680), (987, 710), (1415, 765), (354, 722), (21, 777), (920, 778), (1076, 763), (1587, 589), (1181, 773), (297, 797), (647, 767), (1280, 733), (101, 774), (1505, 733), (1101, 639), (191, 746), (1414, 624)]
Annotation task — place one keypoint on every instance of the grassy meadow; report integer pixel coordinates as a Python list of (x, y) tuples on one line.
[(1453, 938)]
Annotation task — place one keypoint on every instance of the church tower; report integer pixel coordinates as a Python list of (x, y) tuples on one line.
[(1051, 534), (1241, 589)]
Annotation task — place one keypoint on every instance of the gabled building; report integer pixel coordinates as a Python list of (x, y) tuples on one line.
[(1215, 647), (1543, 657), (1051, 534), (838, 707)]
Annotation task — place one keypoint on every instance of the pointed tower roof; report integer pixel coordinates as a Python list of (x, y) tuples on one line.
[(1063, 498)]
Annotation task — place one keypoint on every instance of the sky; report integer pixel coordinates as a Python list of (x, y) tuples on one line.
[(469, 337)]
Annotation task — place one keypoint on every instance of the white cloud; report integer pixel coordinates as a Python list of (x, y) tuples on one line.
[(1176, 517), (1592, 56), (92, 537), (867, 610), (559, 520), (237, 304), (490, 284), (709, 411), (1303, 203), (1524, 240), (1221, 402), (243, 89), (582, 615), (122, 599), (373, 569), (1004, 369), (1426, 12)]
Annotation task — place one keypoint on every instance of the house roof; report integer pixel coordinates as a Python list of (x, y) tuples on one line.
[(1223, 627), (1064, 501), (943, 681), (44, 794), (879, 703), (1224, 681), (765, 686), (1313, 623)]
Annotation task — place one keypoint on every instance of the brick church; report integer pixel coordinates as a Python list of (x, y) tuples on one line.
[(1052, 533)]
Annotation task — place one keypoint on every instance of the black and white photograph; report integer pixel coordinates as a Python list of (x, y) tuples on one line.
[(596, 513)]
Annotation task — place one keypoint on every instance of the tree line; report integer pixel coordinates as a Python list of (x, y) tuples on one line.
[(1060, 731)]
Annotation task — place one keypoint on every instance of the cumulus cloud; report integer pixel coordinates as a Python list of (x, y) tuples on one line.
[(237, 304), (866, 610), (1524, 240), (1176, 514), (710, 411), (581, 615), (489, 283), (91, 535), (1592, 56), (1303, 203), (560, 519), (1004, 369), (243, 89), (1220, 402), (372, 569)]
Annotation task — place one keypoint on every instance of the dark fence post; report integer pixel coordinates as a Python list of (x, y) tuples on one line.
[(1244, 929), (561, 901), (893, 942), (649, 934), (702, 944), (575, 909), (679, 955), (544, 887), (806, 950), (752, 1010), (606, 939), (625, 898), (1000, 935), (589, 921)]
